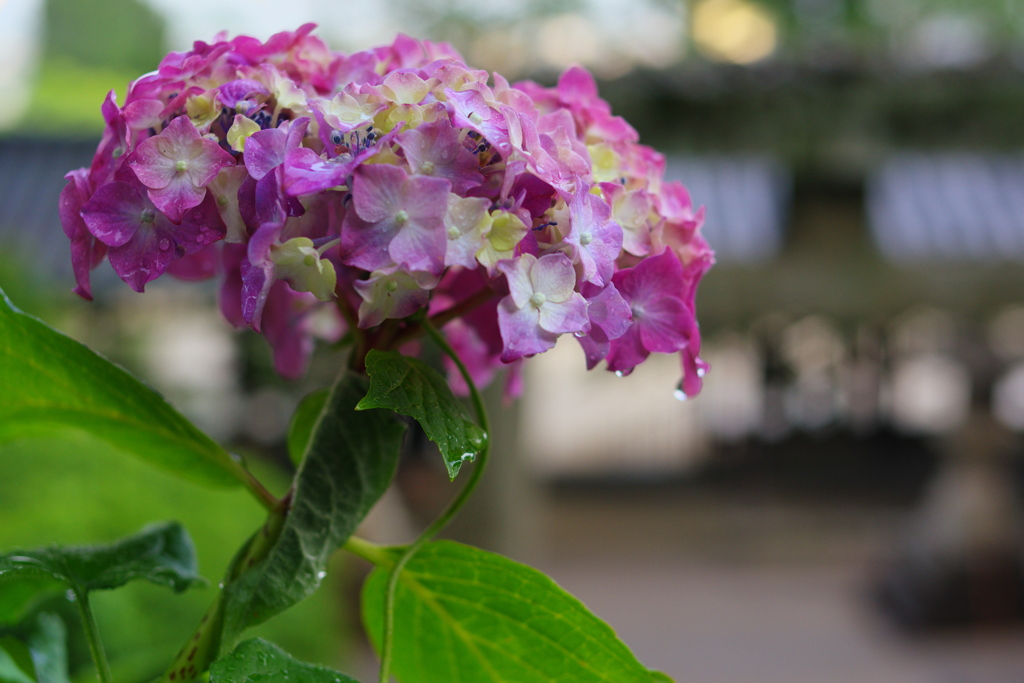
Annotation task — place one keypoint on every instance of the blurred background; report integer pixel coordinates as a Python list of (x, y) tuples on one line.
[(843, 502)]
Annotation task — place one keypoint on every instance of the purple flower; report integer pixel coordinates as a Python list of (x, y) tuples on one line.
[(465, 224), (113, 144), (265, 154), (418, 186), (177, 165), (595, 239), (392, 293), (265, 150), (397, 219), (630, 209), (241, 92), (306, 172), (142, 240), (284, 315), (470, 110), (434, 150), (540, 306), (610, 317), (86, 250), (353, 107)]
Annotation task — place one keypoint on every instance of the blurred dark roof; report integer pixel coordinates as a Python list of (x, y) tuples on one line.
[(31, 179), (747, 201), (948, 207)]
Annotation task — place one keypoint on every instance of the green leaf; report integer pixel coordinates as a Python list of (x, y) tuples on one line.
[(47, 643), (463, 614), (411, 387), (53, 383), (257, 661), (303, 421), (39, 646), (10, 672), (349, 463), (19, 597), (162, 554)]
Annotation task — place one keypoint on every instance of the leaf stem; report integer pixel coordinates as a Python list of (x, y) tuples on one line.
[(351, 318), (371, 552), (256, 488), (465, 306), (387, 642), (439, 320), (92, 634)]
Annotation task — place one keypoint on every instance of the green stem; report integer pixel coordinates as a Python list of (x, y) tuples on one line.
[(441, 319), (371, 552), (351, 317), (257, 489), (92, 634), (387, 643)]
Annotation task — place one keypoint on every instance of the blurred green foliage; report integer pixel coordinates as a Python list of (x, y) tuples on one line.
[(90, 47), (79, 492), (110, 34), (67, 97)]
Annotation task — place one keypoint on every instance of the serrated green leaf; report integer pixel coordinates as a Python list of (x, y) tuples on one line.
[(411, 387), (349, 463), (162, 554), (257, 661), (52, 383), (303, 420), (463, 614)]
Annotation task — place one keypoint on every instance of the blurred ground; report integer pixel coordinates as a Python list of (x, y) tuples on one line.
[(729, 592)]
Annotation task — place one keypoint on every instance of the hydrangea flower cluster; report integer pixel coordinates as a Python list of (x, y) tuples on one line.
[(363, 189)]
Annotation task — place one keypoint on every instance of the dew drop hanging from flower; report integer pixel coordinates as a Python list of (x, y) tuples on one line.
[(388, 182)]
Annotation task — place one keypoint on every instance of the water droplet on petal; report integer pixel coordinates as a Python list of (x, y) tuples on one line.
[(165, 244), (620, 373), (679, 393), (579, 335), (702, 371)]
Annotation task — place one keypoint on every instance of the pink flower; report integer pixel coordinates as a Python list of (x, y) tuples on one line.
[(392, 293), (397, 219), (595, 239), (177, 165), (540, 306), (418, 186), (655, 290), (86, 250), (142, 241), (610, 317), (434, 150), (469, 109), (284, 315), (113, 144)]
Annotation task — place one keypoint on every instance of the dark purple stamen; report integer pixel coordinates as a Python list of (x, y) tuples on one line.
[(262, 119)]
